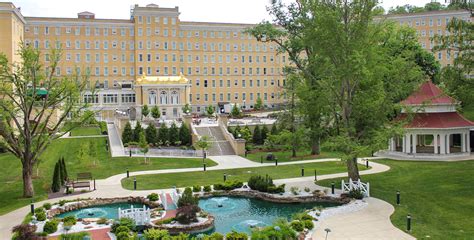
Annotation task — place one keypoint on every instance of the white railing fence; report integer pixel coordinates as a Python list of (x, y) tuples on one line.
[(163, 201), (174, 196), (141, 216), (356, 185)]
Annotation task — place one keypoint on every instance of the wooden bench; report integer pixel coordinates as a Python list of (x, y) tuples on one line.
[(82, 181)]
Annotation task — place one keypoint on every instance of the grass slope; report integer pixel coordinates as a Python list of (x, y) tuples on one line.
[(11, 187), (438, 195), (86, 131), (168, 180), (285, 156)]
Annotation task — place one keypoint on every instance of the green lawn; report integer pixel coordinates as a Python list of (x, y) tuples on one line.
[(11, 181), (160, 181), (439, 196), (468, 112), (86, 131), (285, 156)]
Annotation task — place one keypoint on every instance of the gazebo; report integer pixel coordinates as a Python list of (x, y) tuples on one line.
[(435, 130)]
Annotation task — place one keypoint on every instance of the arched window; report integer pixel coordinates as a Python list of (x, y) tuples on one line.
[(152, 98), (163, 98), (174, 98)]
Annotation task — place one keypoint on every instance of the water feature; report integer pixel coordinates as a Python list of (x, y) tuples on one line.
[(243, 214), (109, 211)]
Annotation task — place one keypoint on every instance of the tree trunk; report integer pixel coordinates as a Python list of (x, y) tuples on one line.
[(28, 190), (293, 152), (315, 147), (352, 169)]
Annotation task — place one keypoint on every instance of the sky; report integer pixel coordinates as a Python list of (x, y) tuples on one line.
[(232, 11)]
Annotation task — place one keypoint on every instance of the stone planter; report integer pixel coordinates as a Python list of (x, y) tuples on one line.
[(191, 228)]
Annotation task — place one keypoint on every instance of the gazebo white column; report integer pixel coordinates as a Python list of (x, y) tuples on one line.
[(468, 142), (408, 143), (442, 144), (415, 141), (448, 143), (435, 143), (463, 142), (404, 146)]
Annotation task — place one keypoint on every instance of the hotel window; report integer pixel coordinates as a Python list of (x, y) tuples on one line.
[(148, 31), (228, 96), (88, 57), (97, 31), (97, 45), (132, 31), (57, 30), (97, 57), (165, 45), (221, 97), (148, 44), (46, 30), (88, 45), (78, 44), (58, 44), (89, 98), (148, 70), (423, 33), (77, 31), (140, 70), (106, 45), (46, 57), (251, 96), (122, 31), (157, 57), (106, 71), (447, 20), (123, 45), (165, 58), (440, 55), (417, 23), (115, 72), (68, 30), (236, 96), (140, 31), (140, 45), (110, 98), (157, 19), (165, 20), (148, 57), (243, 83), (106, 58), (132, 71), (35, 30), (88, 31), (212, 34), (265, 96), (166, 70), (148, 20), (140, 19), (431, 22), (128, 98), (206, 97), (173, 21), (163, 97), (46, 44)]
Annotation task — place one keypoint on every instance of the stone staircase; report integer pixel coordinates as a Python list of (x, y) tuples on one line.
[(220, 146)]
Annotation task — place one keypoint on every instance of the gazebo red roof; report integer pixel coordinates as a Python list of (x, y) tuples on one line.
[(428, 93), (437, 120)]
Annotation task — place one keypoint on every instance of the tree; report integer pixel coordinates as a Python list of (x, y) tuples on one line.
[(137, 131), (274, 130), (34, 104), (151, 134), (204, 144), (64, 169), (257, 135), (210, 111), (155, 112), (56, 185), (292, 141), (186, 108), (264, 133), (184, 135), (434, 6), (142, 143), (145, 111), (235, 112), (163, 134), (173, 134), (236, 131), (61, 171), (127, 134), (246, 134), (258, 104), (187, 198)]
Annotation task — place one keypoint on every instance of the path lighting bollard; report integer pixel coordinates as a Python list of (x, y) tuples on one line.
[(367, 163), (332, 187), (398, 197), (276, 162), (315, 175), (204, 166), (32, 208), (261, 159), (94, 185), (225, 177), (134, 183), (128, 173), (409, 223), (130, 152), (302, 171)]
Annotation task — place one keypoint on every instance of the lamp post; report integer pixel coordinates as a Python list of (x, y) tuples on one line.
[(327, 230)]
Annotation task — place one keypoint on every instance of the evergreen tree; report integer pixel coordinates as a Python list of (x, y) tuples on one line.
[(264, 134), (64, 169), (127, 135), (137, 131), (259, 104), (61, 171), (187, 198), (145, 111), (236, 131), (163, 133), (274, 130), (235, 112), (184, 135), (56, 186), (173, 134), (210, 110), (151, 134), (257, 135), (155, 112), (246, 134)]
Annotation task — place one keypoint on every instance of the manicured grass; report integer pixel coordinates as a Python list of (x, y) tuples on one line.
[(439, 196), (162, 181), (105, 166), (285, 156), (468, 111), (86, 131)]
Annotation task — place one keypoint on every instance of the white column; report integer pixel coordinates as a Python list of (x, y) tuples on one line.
[(442, 144), (394, 144), (404, 146), (415, 141), (468, 142), (463, 142), (435, 143), (448, 143)]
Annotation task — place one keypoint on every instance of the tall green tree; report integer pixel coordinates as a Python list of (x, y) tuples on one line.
[(257, 135), (145, 111), (151, 134), (56, 185), (204, 144), (210, 110), (264, 133), (163, 134), (184, 135), (143, 144), (173, 134), (235, 111), (258, 104), (127, 134), (137, 131), (155, 112), (64, 168), (34, 104)]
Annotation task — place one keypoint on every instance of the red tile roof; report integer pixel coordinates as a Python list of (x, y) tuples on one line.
[(437, 120), (428, 93)]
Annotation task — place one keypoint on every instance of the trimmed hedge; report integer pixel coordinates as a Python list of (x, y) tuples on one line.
[(230, 185), (103, 128)]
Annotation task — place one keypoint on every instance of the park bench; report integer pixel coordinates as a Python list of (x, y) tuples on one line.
[(82, 181)]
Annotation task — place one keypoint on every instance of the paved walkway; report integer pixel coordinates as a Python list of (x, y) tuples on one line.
[(111, 187), (115, 141)]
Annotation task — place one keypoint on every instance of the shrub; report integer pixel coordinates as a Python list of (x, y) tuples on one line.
[(123, 236), (40, 209), (197, 188), (356, 193), (306, 189), (155, 234), (153, 197), (264, 184), (102, 221), (69, 220), (129, 223), (74, 236), (50, 227), (297, 225), (308, 224), (62, 202), (24, 232), (207, 188), (229, 185), (165, 221), (215, 236), (187, 198), (236, 236), (302, 216), (295, 190), (40, 216), (47, 206), (277, 231), (103, 128), (187, 214), (122, 229)]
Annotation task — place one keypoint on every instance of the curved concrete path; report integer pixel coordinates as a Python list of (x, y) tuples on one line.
[(111, 187)]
